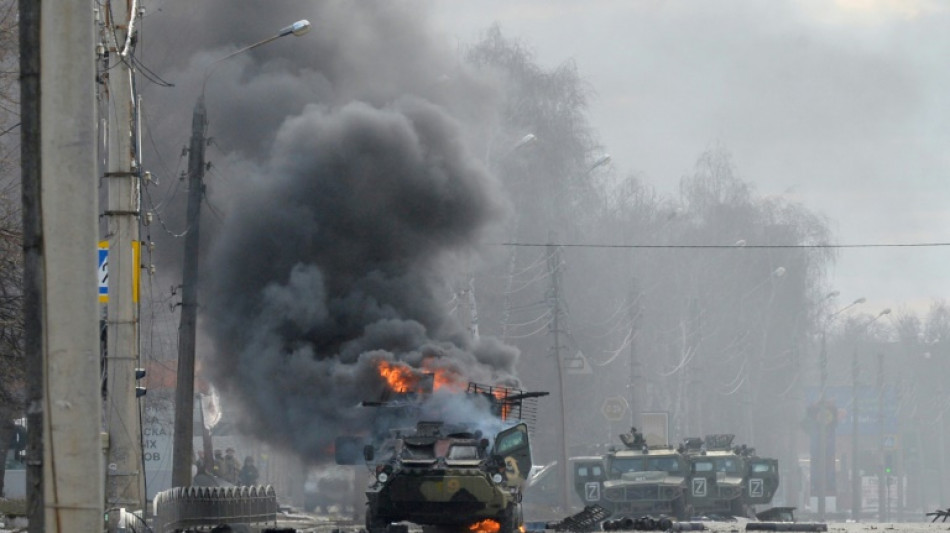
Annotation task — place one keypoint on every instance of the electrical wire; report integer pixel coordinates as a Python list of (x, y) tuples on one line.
[(687, 357), (8, 130), (161, 220), (533, 333), (149, 74), (627, 341), (726, 246)]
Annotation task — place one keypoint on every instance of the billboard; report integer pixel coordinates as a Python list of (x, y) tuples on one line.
[(655, 428), (869, 408)]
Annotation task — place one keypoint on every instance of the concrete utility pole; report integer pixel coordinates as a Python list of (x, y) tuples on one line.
[(60, 212), (187, 329), (125, 481), (822, 459), (554, 297), (636, 377), (856, 499), (855, 472), (29, 28), (881, 474), (823, 422)]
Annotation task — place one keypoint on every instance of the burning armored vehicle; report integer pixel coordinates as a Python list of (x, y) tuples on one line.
[(442, 475), (452, 474)]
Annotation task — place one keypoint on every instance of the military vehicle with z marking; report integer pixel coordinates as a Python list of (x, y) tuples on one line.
[(708, 477)]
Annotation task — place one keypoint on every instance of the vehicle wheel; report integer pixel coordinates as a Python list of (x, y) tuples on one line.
[(738, 509), (511, 520), (681, 511), (374, 523)]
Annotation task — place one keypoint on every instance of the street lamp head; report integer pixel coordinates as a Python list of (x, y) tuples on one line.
[(297, 28), (860, 300), (885, 312), (832, 294), (526, 140), (779, 272)]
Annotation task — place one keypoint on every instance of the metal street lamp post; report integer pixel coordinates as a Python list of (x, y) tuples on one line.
[(855, 473), (185, 386), (822, 426)]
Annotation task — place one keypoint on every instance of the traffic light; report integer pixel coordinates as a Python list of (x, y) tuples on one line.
[(139, 374), (888, 462)]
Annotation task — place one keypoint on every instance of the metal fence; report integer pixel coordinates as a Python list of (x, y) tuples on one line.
[(184, 507)]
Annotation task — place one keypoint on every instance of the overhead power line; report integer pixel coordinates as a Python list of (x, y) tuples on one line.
[(725, 246)]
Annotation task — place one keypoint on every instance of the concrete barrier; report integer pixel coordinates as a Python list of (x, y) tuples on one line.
[(14, 484), (184, 507)]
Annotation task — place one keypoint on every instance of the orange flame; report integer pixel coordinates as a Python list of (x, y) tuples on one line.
[(501, 394), (399, 377), (485, 526), (402, 378), (444, 377)]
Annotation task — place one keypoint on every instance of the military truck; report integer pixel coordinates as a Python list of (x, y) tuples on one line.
[(708, 477), (761, 481), (634, 481), (727, 480)]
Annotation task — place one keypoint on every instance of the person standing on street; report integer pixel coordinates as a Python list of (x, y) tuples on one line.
[(249, 472), (232, 468)]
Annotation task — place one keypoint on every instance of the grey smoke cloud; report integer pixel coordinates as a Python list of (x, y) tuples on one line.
[(336, 258)]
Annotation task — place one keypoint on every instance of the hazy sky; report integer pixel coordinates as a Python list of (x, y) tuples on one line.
[(840, 105)]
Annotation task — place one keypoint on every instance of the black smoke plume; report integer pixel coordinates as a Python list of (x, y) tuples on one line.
[(350, 199), (337, 260)]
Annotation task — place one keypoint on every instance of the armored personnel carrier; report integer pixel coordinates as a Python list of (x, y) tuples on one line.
[(637, 480), (727, 480), (452, 475), (441, 475)]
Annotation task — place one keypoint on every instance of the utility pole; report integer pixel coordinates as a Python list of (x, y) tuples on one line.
[(855, 472), (33, 279), (856, 499), (60, 210), (187, 329), (822, 430), (554, 298), (824, 412), (125, 481), (633, 315), (881, 474)]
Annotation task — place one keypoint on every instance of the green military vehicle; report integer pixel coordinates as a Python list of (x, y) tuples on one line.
[(727, 480), (700, 477), (450, 477), (761, 481), (635, 481)]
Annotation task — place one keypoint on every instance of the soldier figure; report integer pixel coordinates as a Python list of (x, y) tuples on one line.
[(249, 472), (232, 468), (218, 465)]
